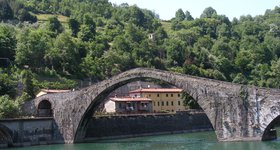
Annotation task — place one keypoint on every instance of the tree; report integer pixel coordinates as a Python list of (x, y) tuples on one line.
[(188, 16), (190, 102), (8, 107), (175, 52), (7, 42), (86, 34), (64, 56), (6, 11), (87, 29), (27, 81), (31, 48), (24, 15), (54, 25), (7, 85), (180, 15), (74, 25), (208, 12), (90, 67)]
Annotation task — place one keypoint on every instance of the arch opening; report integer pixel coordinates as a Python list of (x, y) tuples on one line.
[(270, 132), (93, 108), (45, 109)]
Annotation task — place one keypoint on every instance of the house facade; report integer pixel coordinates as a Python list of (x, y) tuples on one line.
[(163, 99), (129, 105)]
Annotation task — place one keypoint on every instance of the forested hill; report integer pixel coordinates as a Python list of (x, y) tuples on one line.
[(62, 40)]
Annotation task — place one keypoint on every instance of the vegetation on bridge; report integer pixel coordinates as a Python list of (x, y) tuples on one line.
[(96, 39)]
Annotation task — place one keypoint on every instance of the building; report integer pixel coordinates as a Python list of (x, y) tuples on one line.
[(49, 91), (164, 99), (124, 90), (129, 105)]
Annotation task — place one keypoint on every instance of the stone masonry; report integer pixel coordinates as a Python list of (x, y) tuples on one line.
[(236, 112)]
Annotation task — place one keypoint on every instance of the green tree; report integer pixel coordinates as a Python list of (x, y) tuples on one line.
[(190, 102), (7, 84), (6, 11), (90, 67), (74, 25), (54, 25), (8, 107), (27, 81), (7, 42), (175, 52), (31, 48), (64, 56), (180, 15), (24, 15), (188, 16), (208, 12)]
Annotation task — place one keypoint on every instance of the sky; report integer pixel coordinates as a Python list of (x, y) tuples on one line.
[(231, 8)]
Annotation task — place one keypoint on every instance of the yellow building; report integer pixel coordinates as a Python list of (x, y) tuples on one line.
[(164, 99)]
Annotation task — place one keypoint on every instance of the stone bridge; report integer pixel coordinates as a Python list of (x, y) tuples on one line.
[(237, 112)]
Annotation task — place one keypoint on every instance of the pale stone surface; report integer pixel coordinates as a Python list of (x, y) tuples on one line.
[(237, 112)]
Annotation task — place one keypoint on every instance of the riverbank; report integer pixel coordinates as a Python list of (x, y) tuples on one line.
[(44, 131)]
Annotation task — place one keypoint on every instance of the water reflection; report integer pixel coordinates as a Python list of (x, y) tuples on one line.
[(189, 141)]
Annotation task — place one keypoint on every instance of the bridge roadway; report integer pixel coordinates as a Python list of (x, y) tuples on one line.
[(237, 112)]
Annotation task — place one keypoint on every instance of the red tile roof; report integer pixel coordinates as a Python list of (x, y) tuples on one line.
[(130, 99), (158, 90)]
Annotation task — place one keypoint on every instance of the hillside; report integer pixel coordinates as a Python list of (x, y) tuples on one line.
[(71, 40)]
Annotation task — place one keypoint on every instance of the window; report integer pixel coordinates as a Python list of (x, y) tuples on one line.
[(149, 95), (120, 105), (172, 104), (162, 103), (179, 103), (167, 103), (166, 95), (179, 95), (171, 95), (157, 95), (158, 103)]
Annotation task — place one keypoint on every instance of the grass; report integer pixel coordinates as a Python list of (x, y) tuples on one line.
[(44, 17), (166, 26)]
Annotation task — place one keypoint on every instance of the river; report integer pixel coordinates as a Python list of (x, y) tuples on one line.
[(187, 141)]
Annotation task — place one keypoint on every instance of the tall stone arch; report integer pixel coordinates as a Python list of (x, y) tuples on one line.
[(213, 97)]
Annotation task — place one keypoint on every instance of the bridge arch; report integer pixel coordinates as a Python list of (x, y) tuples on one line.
[(234, 110), (269, 118), (5, 135), (191, 86)]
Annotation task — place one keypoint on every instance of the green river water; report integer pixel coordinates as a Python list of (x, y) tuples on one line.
[(187, 141)]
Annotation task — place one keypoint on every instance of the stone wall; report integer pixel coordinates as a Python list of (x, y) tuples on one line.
[(26, 132), (136, 125)]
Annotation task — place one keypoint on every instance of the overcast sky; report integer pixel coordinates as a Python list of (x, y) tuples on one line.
[(231, 8)]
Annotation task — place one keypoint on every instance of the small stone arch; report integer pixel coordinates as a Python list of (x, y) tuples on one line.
[(45, 109), (6, 139)]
